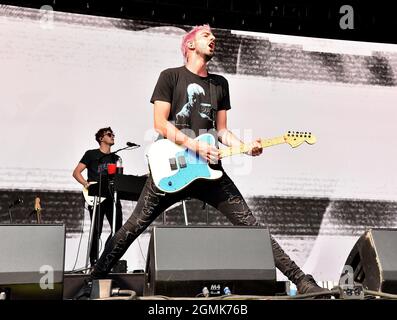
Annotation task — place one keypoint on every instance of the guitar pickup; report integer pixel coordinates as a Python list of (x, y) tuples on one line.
[(173, 164), (182, 162)]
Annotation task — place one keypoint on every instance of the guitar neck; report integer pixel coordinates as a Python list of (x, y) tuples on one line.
[(242, 148)]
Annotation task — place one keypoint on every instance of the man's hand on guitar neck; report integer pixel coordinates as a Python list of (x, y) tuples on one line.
[(213, 155), (255, 148), (228, 138)]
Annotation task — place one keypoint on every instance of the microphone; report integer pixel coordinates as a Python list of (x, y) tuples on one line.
[(131, 144), (16, 202)]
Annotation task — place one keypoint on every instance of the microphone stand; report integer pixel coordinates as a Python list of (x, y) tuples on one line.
[(121, 149)]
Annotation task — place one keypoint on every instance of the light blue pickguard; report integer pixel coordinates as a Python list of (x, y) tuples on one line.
[(195, 168)]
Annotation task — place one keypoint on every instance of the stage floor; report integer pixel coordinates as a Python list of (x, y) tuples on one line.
[(125, 281)]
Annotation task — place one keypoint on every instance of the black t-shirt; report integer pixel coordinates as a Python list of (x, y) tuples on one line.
[(97, 162), (193, 110)]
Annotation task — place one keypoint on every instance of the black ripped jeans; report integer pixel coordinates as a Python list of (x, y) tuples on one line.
[(222, 194), (106, 210)]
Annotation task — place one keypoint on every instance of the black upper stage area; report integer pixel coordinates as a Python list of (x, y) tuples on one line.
[(371, 21)]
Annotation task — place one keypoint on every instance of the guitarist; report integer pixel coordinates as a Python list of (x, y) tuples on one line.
[(189, 101), (96, 161)]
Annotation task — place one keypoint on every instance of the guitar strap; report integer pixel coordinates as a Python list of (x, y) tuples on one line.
[(214, 101)]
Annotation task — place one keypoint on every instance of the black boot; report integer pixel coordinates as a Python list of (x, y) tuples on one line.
[(307, 284), (304, 283)]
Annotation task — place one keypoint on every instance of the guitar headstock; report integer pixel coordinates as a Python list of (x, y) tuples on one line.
[(296, 138)]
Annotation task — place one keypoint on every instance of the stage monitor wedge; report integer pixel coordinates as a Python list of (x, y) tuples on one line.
[(184, 260), (374, 260), (32, 261)]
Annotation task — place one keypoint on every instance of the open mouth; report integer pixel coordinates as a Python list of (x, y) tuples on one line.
[(212, 45)]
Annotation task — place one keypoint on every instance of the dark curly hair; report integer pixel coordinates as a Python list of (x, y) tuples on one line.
[(101, 132)]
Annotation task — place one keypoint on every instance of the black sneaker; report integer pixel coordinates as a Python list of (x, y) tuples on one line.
[(307, 285), (85, 291)]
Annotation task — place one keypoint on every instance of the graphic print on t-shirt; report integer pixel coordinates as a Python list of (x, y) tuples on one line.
[(195, 94)]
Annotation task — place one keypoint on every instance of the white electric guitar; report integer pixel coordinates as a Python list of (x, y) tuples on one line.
[(174, 167), (90, 199)]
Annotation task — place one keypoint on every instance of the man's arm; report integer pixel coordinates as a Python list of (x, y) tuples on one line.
[(78, 176), (229, 139), (224, 134), (168, 130)]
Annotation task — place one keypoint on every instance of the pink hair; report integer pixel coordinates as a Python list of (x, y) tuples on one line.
[(190, 36)]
